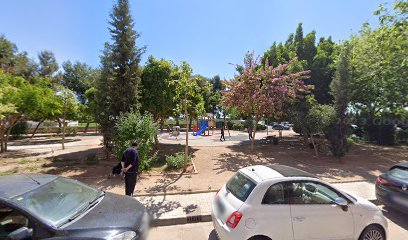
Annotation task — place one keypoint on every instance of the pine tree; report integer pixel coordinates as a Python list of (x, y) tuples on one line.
[(298, 42), (119, 87), (340, 89)]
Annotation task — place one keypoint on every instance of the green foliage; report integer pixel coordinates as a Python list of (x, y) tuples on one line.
[(175, 161), (48, 63), (340, 87), (380, 66), (402, 136), (131, 127), (19, 129), (319, 118), (157, 94), (238, 126), (261, 127), (119, 86), (78, 77)]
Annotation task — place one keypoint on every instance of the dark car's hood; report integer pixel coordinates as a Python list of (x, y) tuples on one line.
[(115, 213)]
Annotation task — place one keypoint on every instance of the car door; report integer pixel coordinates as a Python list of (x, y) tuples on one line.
[(272, 217), (315, 215), (12, 221)]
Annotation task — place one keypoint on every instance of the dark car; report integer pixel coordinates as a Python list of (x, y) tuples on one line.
[(39, 206), (280, 127), (391, 188)]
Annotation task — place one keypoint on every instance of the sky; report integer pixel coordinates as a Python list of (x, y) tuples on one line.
[(208, 34)]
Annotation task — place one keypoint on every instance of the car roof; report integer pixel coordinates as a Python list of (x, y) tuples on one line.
[(14, 185), (261, 172), (402, 164)]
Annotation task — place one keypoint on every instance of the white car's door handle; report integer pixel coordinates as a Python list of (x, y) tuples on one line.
[(299, 219)]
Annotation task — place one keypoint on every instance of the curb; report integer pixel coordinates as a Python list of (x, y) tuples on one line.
[(180, 220)]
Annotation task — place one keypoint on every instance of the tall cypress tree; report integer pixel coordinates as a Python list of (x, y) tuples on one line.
[(298, 42), (340, 89), (119, 86)]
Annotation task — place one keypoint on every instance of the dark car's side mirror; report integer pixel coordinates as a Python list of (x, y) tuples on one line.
[(20, 234)]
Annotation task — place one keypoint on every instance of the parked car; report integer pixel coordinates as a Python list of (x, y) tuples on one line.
[(39, 206), (391, 188), (281, 203), (280, 127)]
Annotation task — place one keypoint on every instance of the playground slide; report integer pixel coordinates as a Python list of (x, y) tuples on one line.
[(202, 129)]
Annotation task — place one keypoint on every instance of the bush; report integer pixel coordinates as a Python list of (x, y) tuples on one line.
[(131, 127), (175, 161), (238, 127), (260, 127), (402, 136), (20, 128)]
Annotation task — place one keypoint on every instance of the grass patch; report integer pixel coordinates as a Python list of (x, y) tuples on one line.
[(23, 161), (9, 172), (32, 168)]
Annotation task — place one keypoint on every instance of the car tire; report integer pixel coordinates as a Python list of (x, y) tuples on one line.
[(372, 232), (259, 238)]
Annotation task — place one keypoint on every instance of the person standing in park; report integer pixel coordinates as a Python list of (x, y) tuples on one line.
[(130, 167), (222, 133), (250, 132)]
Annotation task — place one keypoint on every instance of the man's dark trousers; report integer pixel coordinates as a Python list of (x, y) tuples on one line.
[(130, 183)]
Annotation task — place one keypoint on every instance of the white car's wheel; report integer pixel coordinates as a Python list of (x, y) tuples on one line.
[(373, 233)]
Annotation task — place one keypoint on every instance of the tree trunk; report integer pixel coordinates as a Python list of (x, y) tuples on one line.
[(86, 127), (314, 145), (186, 149), (267, 127), (1, 141), (13, 122), (161, 124), (225, 124), (280, 133), (36, 128), (63, 133), (253, 134)]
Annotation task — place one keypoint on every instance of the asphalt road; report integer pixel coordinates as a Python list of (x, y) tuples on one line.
[(398, 229)]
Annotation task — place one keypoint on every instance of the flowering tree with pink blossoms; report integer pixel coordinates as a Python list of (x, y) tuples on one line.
[(262, 90)]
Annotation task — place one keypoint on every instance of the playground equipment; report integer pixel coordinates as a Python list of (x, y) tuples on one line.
[(203, 126), (204, 123)]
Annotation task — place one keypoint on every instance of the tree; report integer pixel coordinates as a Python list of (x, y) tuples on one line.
[(298, 42), (380, 68), (48, 64), (188, 99), (7, 53), (317, 121), (157, 94), (340, 88), (78, 77), (119, 88), (68, 107), (309, 48), (25, 67), (322, 70), (263, 91)]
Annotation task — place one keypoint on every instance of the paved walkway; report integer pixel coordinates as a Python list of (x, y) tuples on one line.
[(187, 208)]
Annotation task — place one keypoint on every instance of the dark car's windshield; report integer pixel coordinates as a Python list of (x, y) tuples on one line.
[(240, 186), (57, 201), (399, 172)]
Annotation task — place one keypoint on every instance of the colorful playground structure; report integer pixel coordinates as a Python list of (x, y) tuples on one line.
[(204, 123)]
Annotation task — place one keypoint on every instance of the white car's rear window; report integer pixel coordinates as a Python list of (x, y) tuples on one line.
[(240, 186)]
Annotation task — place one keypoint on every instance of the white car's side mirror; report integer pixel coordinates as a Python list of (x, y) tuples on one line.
[(341, 202)]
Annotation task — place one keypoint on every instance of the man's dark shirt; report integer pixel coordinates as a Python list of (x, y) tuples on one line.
[(131, 156)]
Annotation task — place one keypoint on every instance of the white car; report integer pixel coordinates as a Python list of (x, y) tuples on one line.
[(284, 203)]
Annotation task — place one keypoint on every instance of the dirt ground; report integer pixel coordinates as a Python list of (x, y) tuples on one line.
[(215, 161)]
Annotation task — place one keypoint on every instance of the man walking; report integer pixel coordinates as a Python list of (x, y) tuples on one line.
[(130, 167), (222, 133)]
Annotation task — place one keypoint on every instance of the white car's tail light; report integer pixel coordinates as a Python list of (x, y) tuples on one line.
[(234, 219)]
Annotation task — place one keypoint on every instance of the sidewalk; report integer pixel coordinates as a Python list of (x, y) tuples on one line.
[(190, 208)]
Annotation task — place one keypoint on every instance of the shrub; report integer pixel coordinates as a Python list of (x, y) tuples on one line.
[(260, 127), (175, 161), (133, 126), (402, 136), (91, 159), (238, 126), (19, 129)]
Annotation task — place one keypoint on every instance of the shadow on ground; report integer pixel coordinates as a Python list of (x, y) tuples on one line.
[(395, 216)]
